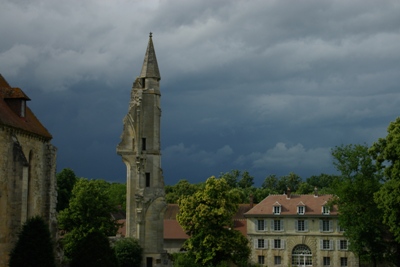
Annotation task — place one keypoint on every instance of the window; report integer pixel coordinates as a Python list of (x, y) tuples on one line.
[(261, 225), (326, 244), (300, 210), (261, 260), (261, 243), (277, 210), (327, 261), (343, 261), (343, 244), (277, 225), (325, 210), (301, 256), (301, 225), (277, 260), (147, 179), (143, 144), (278, 244), (325, 225)]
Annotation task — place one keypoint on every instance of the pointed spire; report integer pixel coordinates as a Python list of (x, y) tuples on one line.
[(150, 66)]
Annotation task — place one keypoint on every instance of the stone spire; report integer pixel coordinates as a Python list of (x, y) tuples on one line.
[(150, 66)]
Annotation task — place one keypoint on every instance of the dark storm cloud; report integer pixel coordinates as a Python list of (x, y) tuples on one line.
[(266, 86)]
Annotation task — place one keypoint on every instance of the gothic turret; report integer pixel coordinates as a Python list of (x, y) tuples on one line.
[(141, 152)]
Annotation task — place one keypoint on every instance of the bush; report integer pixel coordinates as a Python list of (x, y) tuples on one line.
[(128, 252), (34, 246), (93, 250)]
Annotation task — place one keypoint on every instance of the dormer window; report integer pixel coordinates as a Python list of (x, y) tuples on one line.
[(325, 210), (23, 108), (276, 208), (301, 210)]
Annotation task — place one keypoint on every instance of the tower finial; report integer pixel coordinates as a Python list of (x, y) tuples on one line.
[(151, 34)]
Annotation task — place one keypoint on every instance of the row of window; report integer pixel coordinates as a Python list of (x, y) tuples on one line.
[(301, 225), (301, 210), (325, 244), (298, 260), (326, 261)]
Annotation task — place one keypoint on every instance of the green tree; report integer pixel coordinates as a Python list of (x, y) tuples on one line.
[(34, 247), (358, 213), (236, 178), (181, 189), (206, 217), (128, 252), (117, 195), (386, 152), (93, 250), (271, 183), (291, 181), (66, 180), (322, 181), (305, 188), (89, 210)]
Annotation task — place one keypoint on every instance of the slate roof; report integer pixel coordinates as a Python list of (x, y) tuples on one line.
[(313, 205), (29, 123)]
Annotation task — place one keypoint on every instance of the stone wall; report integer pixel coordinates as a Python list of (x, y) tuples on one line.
[(27, 184)]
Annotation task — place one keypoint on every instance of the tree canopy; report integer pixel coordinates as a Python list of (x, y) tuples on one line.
[(358, 213), (128, 252), (89, 210), (206, 217), (66, 180)]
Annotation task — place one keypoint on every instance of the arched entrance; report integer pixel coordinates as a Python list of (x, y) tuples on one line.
[(301, 256)]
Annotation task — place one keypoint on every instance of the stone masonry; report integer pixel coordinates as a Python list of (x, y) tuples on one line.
[(27, 168)]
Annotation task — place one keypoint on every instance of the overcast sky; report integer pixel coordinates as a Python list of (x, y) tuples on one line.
[(264, 86)]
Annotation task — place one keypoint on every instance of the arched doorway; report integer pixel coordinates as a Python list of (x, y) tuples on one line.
[(301, 256)]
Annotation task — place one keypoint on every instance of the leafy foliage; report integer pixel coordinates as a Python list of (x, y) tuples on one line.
[(34, 247), (66, 180), (128, 252), (207, 216), (358, 213), (93, 250), (89, 210), (387, 154)]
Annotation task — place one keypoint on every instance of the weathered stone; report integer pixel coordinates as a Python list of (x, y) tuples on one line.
[(141, 152)]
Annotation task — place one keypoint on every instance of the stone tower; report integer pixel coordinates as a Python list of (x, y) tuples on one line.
[(141, 152)]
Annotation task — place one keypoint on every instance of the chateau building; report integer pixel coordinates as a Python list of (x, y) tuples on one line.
[(141, 152), (297, 230), (27, 168)]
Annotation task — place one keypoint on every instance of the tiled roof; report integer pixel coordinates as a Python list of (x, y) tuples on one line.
[(8, 117), (313, 205), (173, 230)]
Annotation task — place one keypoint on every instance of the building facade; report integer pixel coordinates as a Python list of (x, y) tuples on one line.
[(297, 230), (141, 152), (27, 168)]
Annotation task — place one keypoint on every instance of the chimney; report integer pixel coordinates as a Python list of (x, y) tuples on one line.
[(251, 201), (315, 191), (288, 193)]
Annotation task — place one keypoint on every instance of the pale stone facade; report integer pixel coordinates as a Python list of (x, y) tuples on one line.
[(141, 152), (297, 230), (27, 168)]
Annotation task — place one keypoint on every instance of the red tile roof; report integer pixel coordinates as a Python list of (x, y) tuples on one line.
[(29, 123), (313, 205)]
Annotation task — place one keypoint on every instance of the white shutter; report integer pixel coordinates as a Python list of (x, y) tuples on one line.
[(306, 225), (321, 244), (320, 225), (282, 244), (330, 226), (338, 245), (266, 243), (296, 225), (255, 243), (265, 225), (272, 226), (330, 244), (255, 223), (281, 223)]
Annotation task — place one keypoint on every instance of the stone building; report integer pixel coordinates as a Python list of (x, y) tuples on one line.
[(141, 152), (297, 230), (27, 168)]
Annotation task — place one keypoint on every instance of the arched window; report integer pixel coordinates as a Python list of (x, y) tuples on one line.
[(301, 256)]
